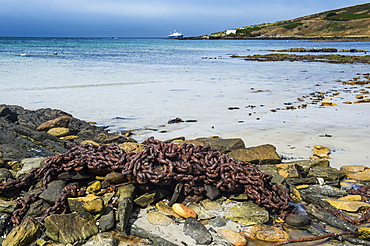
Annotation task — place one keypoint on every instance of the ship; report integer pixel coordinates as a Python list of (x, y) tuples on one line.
[(175, 34)]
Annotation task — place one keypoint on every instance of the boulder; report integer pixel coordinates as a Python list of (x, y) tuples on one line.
[(69, 228), (59, 131), (28, 164), (197, 231), (247, 213), (327, 173), (233, 237), (269, 233), (263, 154), (356, 172), (24, 234), (89, 203), (61, 121), (223, 145), (53, 191)]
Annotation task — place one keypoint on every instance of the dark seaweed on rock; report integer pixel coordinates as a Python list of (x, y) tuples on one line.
[(162, 165)]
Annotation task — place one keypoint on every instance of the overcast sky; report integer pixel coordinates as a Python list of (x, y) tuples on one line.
[(147, 18)]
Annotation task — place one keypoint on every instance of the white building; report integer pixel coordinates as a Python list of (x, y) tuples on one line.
[(230, 31)]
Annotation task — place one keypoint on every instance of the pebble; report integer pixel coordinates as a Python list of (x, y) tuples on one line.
[(183, 210), (298, 220), (157, 218)]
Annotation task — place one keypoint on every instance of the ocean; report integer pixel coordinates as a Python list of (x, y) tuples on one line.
[(142, 83)]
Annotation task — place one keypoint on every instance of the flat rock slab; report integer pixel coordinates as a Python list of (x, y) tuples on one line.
[(69, 228), (263, 154), (223, 145)]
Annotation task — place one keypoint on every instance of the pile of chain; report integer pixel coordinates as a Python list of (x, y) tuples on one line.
[(163, 165)]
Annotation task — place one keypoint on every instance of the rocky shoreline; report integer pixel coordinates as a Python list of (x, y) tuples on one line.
[(68, 182)]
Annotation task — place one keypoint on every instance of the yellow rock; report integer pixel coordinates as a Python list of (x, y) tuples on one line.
[(165, 208), (59, 131), (94, 187), (328, 104), (364, 233), (300, 187), (296, 194), (321, 151), (88, 142), (351, 198), (233, 237), (70, 137), (132, 147), (350, 206), (89, 203), (183, 210)]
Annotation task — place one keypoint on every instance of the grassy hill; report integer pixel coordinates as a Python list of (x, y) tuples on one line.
[(351, 21)]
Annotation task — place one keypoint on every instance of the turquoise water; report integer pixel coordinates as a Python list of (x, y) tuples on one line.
[(129, 83)]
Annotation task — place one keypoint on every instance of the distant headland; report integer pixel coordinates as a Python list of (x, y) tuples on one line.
[(345, 24)]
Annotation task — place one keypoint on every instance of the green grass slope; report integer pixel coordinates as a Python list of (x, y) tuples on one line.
[(351, 21)]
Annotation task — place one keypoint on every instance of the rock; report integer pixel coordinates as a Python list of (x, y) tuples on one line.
[(125, 206), (69, 228), (307, 164), (288, 170), (264, 154), (327, 173), (211, 205), (349, 206), (5, 175), (89, 203), (155, 239), (102, 239), (247, 213), (62, 121), (150, 197), (1, 159), (28, 164), (24, 234), (59, 131), (157, 218), (183, 210), (270, 169), (351, 198), (89, 142), (233, 237), (298, 220), (364, 233), (202, 213), (197, 231), (321, 152), (8, 114), (94, 187), (7, 206), (330, 219), (165, 208), (353, 168), (126, 191), (107, 220), (269, 233), (218, 222), (132, 147), (211, 192), (115, 178), (53, 191), (356, 172), (325, 190), (37, 208), (223, 145)]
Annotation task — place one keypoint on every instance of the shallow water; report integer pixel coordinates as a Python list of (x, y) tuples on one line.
[(142, 83)]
